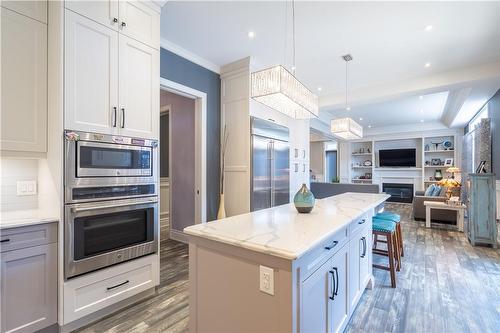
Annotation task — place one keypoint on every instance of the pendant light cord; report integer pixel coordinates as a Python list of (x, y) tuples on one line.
[(346, 83)]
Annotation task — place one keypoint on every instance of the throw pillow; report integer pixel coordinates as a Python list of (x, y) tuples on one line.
[(437, 191), (429, 190)]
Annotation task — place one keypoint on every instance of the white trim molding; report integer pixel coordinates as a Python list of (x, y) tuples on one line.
[(498, 199), (188, 55)]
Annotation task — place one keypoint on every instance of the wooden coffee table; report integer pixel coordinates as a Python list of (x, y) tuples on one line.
[(460, 209)]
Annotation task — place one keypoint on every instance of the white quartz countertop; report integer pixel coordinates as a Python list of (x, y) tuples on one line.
[(22, 218), (282, 232)]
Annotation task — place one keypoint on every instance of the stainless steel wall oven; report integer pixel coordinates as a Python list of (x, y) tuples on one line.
[(111, 203)]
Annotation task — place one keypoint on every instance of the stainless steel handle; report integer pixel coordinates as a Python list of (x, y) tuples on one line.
[(363, 239), (329, 247), (123, 117), (332, 296), (5, 240), (362, 221), (85, 209)]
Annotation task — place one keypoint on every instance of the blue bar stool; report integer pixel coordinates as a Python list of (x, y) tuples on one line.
[(387, 229), (396, 218)]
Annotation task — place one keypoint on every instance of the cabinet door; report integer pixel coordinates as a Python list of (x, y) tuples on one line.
[(140, 22), (355, 251), (139, 112), (316, 305), (24, 83), (365, 258), (91, 75), (340, 303), (29, 288), (34, 9), (103, 11)]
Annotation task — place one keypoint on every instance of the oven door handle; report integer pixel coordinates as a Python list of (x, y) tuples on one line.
[(85, 209)]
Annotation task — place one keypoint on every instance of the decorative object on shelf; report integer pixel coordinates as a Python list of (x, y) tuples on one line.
[(436, 145), (447, 145), (448, 162), (221, 213), (481, 167), (438, 175), (356, 164), (368, 175), (367, 163), (453, 171), (449, 184), (304, 200), (368, 150), (435, 161), (279, 89), (427, 163), (361, 150), (431, 179), (346, 128), (427, 147)]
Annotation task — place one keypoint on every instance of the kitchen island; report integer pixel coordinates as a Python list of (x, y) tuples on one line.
[(275, 270)]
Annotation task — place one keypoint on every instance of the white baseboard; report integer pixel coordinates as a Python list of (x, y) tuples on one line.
[(179, 236)]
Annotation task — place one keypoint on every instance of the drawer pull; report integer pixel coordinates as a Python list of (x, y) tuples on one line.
[(362, 221), (329, 247), (5, 240), (118, 285)]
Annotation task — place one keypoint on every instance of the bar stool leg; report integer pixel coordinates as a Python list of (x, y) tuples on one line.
[(400, 238), (390, 250), (397, 250)]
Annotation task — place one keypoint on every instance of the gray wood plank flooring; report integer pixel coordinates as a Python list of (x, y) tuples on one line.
[(445, 285)]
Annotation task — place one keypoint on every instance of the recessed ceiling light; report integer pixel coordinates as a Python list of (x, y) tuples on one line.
[(251, 34), (421, 120), (360, 119), (427, 64), (429, 27), (320, 88), (293, 68), (348, 108), (369, 126), (421, 97), (421, 110)]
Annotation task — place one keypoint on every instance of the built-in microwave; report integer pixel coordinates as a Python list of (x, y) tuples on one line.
[(98, 166)]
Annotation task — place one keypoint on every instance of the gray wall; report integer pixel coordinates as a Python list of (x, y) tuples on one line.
[(164, 119), (180, 70), (494, 113)]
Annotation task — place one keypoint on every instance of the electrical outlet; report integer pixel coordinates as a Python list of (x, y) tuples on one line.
[(266, 280), (26, 187)]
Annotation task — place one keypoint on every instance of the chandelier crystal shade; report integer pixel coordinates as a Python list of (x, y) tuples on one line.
[(346, 128), (280, 90)]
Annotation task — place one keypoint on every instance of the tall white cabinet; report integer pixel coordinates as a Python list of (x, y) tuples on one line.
[(111, 69), (24, 76)]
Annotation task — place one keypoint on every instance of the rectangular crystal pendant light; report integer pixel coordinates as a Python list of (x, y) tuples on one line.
[(280, 90), (346, 128)]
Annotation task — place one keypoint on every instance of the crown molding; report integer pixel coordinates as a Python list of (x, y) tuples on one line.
[(188, 55)]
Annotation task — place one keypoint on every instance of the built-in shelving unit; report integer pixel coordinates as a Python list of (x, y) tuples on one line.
[(438, 149), (362, 162)]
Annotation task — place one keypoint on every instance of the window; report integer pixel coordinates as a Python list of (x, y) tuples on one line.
[(331, 166)]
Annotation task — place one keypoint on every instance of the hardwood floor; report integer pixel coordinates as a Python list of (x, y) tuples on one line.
[(445, 285)]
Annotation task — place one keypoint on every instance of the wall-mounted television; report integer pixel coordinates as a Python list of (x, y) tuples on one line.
[(397, 157)]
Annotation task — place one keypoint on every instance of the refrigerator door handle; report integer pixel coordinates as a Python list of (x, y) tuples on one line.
[(271, 168)]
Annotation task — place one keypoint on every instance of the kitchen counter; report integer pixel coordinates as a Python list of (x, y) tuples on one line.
[(21, 218), (280, 231)]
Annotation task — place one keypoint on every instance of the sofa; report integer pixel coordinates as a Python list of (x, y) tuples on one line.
[(324, 190), (437, 215)]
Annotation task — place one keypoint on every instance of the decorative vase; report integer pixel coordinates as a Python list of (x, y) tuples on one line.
[(221, 213), (438, 175), (304, 200)]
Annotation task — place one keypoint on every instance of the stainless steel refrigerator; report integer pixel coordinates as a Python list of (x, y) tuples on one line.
[(270, 165)]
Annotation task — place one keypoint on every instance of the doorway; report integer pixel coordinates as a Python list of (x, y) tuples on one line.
[(182, 159)]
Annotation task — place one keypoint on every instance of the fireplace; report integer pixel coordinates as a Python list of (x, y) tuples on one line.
[(398, 192)]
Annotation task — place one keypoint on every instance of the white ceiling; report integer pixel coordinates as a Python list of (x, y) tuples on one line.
[(388, 41)]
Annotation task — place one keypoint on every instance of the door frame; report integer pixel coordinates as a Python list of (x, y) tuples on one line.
[(200, 99)]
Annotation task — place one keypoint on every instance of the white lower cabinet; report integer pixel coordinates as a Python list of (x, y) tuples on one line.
[(91, 292), (28, 278), (329, 295)]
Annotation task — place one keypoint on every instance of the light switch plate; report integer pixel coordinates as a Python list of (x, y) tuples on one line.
[(266, 280), (26, 187)]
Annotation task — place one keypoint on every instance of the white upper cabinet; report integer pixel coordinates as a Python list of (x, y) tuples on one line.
[(90, 75), (103, 11), (35, 9), (141, 22), (23, 83), (139, 89)]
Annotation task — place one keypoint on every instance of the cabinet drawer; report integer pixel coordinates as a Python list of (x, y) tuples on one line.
[(360, 223), (92, 292), (22, 237), (319, 254)]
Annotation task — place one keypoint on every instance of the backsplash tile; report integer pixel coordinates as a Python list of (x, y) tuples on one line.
[(13, 170)]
